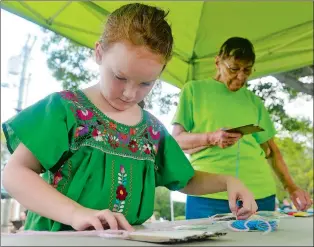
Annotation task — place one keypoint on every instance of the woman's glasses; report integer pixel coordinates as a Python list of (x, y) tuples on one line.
[(246, 71)]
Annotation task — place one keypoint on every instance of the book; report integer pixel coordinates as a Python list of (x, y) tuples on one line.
[(245, 130)]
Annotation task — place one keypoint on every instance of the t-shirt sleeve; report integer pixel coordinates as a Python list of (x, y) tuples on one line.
[(184, 112), (43, 129), (266, 123), (174, 169)]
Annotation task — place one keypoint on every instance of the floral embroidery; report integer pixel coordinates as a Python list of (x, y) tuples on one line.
[(84, 114), (133, 146), (62, 177), (56, 179), (81, 130), (132, 132), (155, 147), (124, 138), (113, 141), (153, 133), (121, 191), (96, 130), (69, 95), (147, 149), (112, 126), (97, 135)]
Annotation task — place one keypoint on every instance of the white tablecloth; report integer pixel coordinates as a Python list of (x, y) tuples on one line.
[(292, 232)]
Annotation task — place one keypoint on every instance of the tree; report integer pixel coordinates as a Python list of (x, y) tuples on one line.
[(275, 103), (295, 79), (162, 204), (68, 61), (299, 159)]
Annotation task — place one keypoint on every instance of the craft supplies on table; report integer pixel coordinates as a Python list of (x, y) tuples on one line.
[(300, 214), (296, 213), (264, 221), (262, 225)]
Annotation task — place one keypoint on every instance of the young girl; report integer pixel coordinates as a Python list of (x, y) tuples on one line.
[(100, 154)]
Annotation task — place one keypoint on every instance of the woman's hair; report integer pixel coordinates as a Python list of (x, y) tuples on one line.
[(141, 25), (239, 48)]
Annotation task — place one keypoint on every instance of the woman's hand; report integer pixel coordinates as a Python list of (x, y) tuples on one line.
[(222, 138), (85, 218), (300, 198), (236, 192)]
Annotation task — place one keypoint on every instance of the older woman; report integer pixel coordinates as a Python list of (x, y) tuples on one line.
[(208, 106)]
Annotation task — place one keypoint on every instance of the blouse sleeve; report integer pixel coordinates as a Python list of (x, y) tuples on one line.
[(43, 129), (174, 169)]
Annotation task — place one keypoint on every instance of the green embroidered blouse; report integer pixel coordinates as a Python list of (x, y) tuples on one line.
[(96, 161)]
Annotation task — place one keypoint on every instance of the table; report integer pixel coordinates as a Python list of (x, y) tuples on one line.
[(292, 232)]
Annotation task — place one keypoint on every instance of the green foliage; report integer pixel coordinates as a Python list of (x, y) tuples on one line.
[(162, 204), (299, 159), (275, 105), (162, 100), (67, 61), (181, 217)]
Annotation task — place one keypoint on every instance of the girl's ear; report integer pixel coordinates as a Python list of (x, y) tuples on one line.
[(98, 53)]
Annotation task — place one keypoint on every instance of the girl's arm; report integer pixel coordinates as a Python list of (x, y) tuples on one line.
[(203, 183), (22, 181)]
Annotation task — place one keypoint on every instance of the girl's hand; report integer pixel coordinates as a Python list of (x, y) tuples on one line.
[(85, 218), (237, 191)]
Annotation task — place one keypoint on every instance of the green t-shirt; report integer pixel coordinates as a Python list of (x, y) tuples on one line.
[(207, 106), (95, 161)]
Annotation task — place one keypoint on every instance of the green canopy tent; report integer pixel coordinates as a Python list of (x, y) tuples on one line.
[(282, 32)]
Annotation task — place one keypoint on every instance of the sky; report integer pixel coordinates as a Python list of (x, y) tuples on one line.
[(14, 32)]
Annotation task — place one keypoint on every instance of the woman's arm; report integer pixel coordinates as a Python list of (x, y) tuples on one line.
[(189, 141), (22, 181), (194, 142), (301, 199), (277, 163)]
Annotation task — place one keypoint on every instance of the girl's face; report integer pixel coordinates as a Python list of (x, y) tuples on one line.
[(127, 73)]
